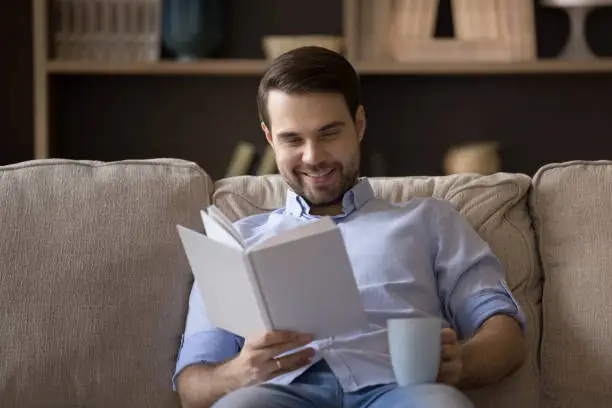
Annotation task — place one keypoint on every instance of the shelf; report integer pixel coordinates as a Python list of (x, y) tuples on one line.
[(206, 67), (257, 67), (487, 68)]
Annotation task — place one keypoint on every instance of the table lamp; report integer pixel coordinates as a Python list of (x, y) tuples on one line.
[(577, 46)]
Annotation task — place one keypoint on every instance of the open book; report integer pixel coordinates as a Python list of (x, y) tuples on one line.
[(299, 280)]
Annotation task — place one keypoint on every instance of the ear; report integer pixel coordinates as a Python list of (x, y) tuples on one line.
[(360, 122), (267, 133)]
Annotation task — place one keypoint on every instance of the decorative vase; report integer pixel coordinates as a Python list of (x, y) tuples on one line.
[(192, 29), (479, 157)]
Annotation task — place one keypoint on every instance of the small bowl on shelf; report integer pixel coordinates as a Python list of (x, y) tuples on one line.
[(276, 45)]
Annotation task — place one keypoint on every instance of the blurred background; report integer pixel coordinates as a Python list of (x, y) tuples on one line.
[(448, 85)]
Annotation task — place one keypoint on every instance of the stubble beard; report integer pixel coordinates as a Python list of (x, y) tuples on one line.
[(328, 195)]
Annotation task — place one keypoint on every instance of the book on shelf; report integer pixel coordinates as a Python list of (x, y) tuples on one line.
[(267, 164), (241, 160), (300, 280)]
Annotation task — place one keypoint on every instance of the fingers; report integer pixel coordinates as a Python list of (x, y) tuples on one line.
[(451, 352), (451, 361), (277, 337), (449, 336), (450, 372), (294, 361), (273, 351), (449, 367)]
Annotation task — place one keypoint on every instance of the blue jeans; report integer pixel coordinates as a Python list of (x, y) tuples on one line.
[(318, 388)]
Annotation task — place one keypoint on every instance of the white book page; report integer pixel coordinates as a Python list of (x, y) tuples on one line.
[(216, 214), (309, 286), (218, 233), (222, 277), (297, 233)]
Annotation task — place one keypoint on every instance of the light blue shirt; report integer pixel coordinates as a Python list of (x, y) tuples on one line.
[(417, 258)]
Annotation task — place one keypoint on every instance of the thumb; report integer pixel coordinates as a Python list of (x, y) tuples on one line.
[(449, 336)]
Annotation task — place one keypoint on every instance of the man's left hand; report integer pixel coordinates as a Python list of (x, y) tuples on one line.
[(451, 359)]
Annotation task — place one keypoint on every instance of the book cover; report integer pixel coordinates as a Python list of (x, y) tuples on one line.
[(300, 280)]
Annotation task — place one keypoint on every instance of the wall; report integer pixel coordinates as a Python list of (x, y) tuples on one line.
[(16, 130)]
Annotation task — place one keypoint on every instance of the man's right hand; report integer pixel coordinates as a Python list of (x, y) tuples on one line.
[(201, 385), (257, 360)]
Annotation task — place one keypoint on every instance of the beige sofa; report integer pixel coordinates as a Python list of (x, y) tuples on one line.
[(94, 283)]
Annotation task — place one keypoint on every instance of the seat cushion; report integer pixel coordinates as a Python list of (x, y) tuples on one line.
[(571, 204), (93, 280), (495, 205)]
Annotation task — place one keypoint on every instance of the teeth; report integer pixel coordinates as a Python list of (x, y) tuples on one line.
[(325, 173)]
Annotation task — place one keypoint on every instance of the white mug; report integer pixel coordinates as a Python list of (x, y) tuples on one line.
[(415, 347)]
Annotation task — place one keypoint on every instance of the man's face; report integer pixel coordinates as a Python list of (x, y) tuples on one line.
[(316, 143)]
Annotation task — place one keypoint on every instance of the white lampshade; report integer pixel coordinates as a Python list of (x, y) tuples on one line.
[(576, 3)]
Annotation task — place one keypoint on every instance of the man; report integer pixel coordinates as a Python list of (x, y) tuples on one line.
[(417, 258)]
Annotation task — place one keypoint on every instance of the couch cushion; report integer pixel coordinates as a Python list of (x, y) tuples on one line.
[(496, 207), (93, 280), (571, 205)]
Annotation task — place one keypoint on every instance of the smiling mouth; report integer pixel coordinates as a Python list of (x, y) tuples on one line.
[(320, 176)]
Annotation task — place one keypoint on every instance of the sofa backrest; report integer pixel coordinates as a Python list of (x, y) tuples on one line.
[(497, 208), (93, 280), (571, 205)]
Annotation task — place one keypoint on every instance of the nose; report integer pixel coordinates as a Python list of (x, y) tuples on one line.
[(313, 153)]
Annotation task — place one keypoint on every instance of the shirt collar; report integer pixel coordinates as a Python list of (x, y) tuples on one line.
[(354, 199)]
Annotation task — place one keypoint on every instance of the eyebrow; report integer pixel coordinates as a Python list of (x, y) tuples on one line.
[(324, 128), (330, 126)]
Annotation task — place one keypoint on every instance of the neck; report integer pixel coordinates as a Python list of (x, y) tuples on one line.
[(332, 208), (326, 210)]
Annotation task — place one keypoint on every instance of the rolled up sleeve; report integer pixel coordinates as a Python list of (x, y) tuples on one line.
[(202, 342), (471, 279)]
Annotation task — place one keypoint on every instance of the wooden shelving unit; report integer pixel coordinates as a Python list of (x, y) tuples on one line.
[(46, 68)]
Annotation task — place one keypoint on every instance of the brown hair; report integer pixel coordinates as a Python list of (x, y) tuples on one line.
[(310, 69)]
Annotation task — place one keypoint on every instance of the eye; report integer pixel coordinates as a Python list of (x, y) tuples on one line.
[(293, 140), (330, 134)]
